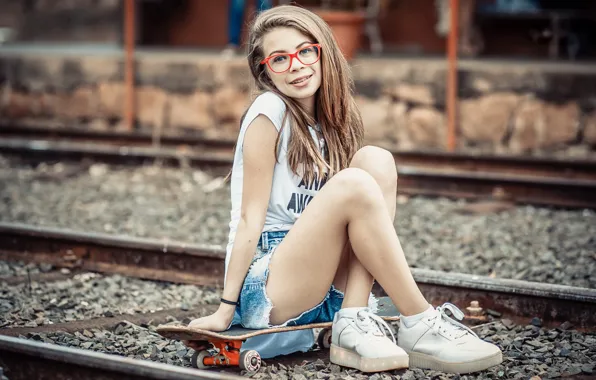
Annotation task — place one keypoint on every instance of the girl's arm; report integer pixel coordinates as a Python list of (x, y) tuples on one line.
[(259, 162)]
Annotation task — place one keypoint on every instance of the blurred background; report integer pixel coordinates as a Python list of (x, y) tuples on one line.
[(524, 82), (118, 121)]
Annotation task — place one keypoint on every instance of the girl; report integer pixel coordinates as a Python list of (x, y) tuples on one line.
[(300, 252)]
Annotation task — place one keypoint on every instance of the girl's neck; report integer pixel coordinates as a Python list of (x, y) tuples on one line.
[(309, 105)]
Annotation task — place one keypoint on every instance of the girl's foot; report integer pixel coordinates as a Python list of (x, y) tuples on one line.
[(358, 341), (435, 341)]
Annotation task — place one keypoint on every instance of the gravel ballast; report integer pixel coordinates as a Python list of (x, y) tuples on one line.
[(92, 295), (14, 269), (528, 351), (186, 205)]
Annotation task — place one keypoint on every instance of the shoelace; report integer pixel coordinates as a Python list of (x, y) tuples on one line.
[(448, 324), (373, 324)]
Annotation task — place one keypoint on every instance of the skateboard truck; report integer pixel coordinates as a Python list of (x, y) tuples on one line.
[(228, 354)]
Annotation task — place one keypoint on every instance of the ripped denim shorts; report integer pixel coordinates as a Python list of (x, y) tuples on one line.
[(255, 307)]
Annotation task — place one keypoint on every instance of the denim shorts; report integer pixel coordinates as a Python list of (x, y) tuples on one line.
[(255, 307)]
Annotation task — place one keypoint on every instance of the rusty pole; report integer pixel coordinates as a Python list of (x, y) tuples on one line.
[(452, 73), (129, 69)]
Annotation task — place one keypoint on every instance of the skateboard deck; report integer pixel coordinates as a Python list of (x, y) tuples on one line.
[(386, 310), (228, 343)]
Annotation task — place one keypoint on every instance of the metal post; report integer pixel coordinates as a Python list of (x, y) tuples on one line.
[(129, 68), (452, 73)]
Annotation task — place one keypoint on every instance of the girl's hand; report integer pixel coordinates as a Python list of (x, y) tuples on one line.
[(216, 322)]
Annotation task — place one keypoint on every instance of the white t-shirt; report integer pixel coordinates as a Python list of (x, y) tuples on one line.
[(289, 194)]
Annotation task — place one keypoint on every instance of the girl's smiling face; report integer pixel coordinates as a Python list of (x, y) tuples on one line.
[(301, 81)]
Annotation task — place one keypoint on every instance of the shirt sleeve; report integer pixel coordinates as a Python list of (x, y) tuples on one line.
[(269, 105)]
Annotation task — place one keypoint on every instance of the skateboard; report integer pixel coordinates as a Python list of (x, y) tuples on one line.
[(226, 345)]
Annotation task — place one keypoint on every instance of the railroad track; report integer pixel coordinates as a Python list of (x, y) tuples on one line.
[(550, 182), (143, 146), (529, 180), (517, 301), (26, 360), (203, 265)]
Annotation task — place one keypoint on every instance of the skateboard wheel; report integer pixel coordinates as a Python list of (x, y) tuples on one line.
[(324, 338), (197, 359), (250, 361)]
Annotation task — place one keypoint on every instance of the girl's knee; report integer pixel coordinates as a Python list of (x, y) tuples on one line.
[(371, 154), (379, 163), (356, 185)]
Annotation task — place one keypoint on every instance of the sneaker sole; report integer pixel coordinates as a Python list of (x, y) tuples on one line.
[(418, 360), (347, 358)]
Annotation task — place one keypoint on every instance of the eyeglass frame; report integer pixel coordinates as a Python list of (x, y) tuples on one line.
[(292, 56)]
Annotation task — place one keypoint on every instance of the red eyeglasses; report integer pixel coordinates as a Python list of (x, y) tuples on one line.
[(281, 62)]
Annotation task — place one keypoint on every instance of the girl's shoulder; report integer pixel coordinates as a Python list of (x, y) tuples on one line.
[(269, 100), (269, 104)]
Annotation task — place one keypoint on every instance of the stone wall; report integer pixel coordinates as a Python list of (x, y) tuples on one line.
[(518, 109)]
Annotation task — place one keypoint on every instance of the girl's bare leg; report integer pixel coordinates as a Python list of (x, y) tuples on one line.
[(350, 208), (381, 166), (352, 217)]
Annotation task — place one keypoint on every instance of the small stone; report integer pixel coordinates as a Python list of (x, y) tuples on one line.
[(35, 337), (493, 313), (588, 368), (565, 326), (572, 371), (119, 329), (319, 364), (536, 322), (508, 323), (565, 352), (535, 343)]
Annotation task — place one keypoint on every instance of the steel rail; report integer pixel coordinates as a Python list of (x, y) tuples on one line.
[(543, 191), (534, 166), (116, 137), (196, 264), (144, 258), (22, 359), (448, 175), (12, 137)]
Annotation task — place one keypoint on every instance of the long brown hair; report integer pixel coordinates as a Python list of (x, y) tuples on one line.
[(335, 108)]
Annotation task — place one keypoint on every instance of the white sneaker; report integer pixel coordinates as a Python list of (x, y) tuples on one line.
[(440, 343), (358, 341)]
